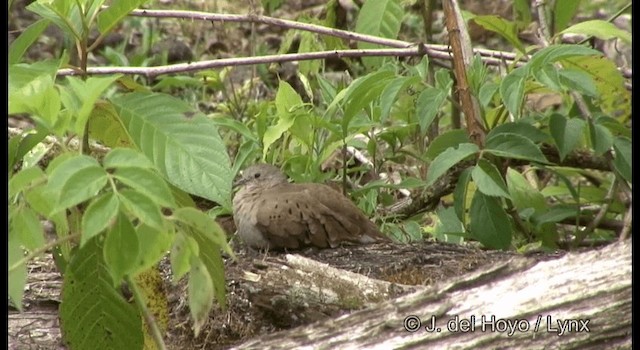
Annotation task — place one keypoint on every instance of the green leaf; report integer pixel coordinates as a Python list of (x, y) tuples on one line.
[(200, 293), (514, 146), (125, 158), (80, 186), (391, 92), (379, 18), (120, 245), (601, 138), (488, 179), (361, 93), (23, 179), (186, 149), (579, 81), (117, 10), (555, 53), (142, 207), (451, 138), (62, 168), (93, 314), (183, 248), (65, 14), (566, 133), (106, 127), (506, 29), (512, 90), (449, 228), (32, 90), (99, 215), (523, 195), (600, 29), (614, 98), (461, 194), (203, 223), (234, 125), (558, 213), (28, 36), (522, 10), (286, 101), (81, 96), (520, 128), (548, 76), (152, 246), (148, 183), (489, 223), (18, 276), (25, 226), (210, 255), (447, 159), (563, 12), (622, 161), (429, 103)]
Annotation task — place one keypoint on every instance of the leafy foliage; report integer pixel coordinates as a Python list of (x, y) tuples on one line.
[(117, 213)]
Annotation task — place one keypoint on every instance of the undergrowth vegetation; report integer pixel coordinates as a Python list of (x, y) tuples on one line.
[(428, 149)]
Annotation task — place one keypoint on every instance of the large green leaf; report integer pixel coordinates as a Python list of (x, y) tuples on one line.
[(613, 97), (99, 215), (106, 127), (507, 29), (361, 93), (25, 226), (80, 97), (489, 223), (451, 138), (153, 244), (512, 90), (447, 159), (93, 314), (200, 293), (428, 105), (488, 179), (23, 179), (81, 186), (379, 18), (555, 53), (622, 161), (391, 92), (126, 158), (117, 10), (32, 90), (120, 245), (600, 29), (563, 12), (187, 149), (17, 277), (566, 133), (28, 36), (521, 128), (142, 207), (287, 99), (146, 182), (510, 145), (449, 228)]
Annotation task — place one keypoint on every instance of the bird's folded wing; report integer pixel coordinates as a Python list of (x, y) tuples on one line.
[(294, 213)]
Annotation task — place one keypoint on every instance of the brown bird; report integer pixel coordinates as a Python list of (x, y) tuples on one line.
[(271, 213)]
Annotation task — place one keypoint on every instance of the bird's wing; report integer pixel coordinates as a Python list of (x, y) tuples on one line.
[(309, 214)]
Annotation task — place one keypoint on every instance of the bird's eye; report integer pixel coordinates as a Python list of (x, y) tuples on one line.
[(256, 175)]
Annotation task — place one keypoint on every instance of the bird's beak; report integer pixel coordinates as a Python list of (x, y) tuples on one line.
[(239, 182)]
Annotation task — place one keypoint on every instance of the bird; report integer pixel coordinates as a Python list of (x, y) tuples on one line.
[(272, 214)]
